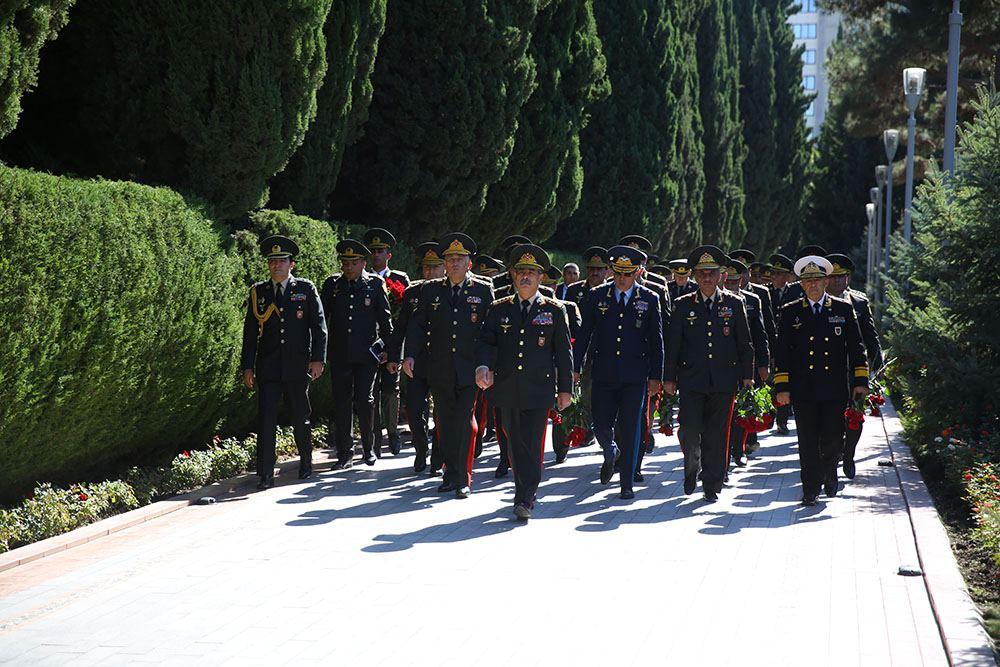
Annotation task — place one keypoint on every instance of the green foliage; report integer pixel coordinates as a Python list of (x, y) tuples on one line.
[(719, 72), (125, 331), (638, 146), (210, 98), (25, 26), (353, 29), (543, 183), (450, 81)]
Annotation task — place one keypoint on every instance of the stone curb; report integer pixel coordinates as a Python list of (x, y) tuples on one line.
[(963, 634), (52, 545)]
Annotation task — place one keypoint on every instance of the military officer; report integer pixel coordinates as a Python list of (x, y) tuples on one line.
[(709, 355), (526, 356), (486, 266), (622, 336), (819, 365), (448, 317), (358, 318), (418, 391), (746, 257), (735, 275), (681, 283), (284, 349), (570, 275), (643, 245), (380, 243), (507, 277), (839, 286)]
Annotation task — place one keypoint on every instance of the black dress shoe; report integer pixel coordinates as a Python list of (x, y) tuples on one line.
[(637, 477), (502, 469), (395, 446), (479, 450), (711, 496), (446, 487), (627, 494), (849, 468), (809, 501), (689, 485), (370, 459), (608, 468), (377, 450), (741, 462), (561, 456), (462, 492), (419, 463), (435, 470), (343, 463), (305, 473), (266, 482), (783, 430), (830, 488), (522, 511)]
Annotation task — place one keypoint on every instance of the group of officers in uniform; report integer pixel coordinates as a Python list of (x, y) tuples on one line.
[(494, 343)]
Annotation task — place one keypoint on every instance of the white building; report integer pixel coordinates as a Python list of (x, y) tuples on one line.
[(815, 30)]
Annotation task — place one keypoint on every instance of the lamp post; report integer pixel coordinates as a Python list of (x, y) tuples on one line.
[(881, 172), (913, 87), (891, 140), (870, 212), (875, 197), (951, 99)]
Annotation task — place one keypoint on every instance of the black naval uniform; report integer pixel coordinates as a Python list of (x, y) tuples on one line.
[(819, 359), (873, 348), (445, 323), (709, 354), (281, 335), (738, 439), (528, 348), (357, 316), (387, 389), (624, 343)]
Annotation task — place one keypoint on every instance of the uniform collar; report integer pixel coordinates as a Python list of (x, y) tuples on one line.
[(284, 283), (823, 301), (384, 272), (628, 293)]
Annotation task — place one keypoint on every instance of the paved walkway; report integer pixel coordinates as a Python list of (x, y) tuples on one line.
[(372, 567)]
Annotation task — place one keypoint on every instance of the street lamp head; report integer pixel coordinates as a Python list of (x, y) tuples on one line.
[(891, 140), (913, 80), (881, 175), (875, 195), (870, 212)]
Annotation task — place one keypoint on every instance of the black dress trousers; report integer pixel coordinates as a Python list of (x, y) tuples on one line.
[(525, 430)]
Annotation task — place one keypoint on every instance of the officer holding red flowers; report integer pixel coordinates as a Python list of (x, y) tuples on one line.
[(381, 242), (819, 366)]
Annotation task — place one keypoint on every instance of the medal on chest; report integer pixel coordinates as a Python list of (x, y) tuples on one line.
[(436, 302), (505, 323)]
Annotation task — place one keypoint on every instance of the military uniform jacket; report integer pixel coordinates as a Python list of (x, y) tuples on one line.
[(398, 276), (780, 297), (766, 314), (280, 339), (448, 330), (624, 346), (577, 292), (709, 353), (819, 357), (411, 299), (509, 290), (532, 358), (676, 291), (869, 334), (758, 332), (356, 317)]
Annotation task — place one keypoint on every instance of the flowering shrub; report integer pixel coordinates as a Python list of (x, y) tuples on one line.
[(983, 484)]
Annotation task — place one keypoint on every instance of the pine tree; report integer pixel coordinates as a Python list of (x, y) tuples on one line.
[(543, 183), (450, 81), (719, 83), (25, 26), (757, 97), (211, 98), (630, 148), (353, 29)]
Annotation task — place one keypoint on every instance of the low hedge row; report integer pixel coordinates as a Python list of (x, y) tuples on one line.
[(123, 316), (51, 511)]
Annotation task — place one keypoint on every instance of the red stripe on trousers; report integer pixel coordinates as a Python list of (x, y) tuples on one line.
[(729, 426), (471, 455)]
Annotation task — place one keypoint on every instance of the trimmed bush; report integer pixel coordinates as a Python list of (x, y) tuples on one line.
[(122, 326)]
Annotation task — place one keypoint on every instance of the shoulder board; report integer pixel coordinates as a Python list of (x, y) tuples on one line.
[(796, 302), (506, 299)]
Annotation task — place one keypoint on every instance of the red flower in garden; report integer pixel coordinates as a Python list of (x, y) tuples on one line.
[(186, 454), (968, 476), (83, 496), (947, 432)]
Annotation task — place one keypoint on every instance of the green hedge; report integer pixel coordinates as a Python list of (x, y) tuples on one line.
[(123, 317)]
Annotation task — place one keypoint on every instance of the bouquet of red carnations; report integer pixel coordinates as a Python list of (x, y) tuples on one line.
[(855, 414), (754, 409), (574, 421)]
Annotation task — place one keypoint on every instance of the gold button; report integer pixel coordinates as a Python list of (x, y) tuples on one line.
[(282, 319), (710, 345), (811, 353), (350, 317), (826, 367), (454, 322), (348, 329), (810, 366), (454, 336), (351, 306), (520, 355), (619, 353), (522, 330), (456, 310), (812, 337), (619, 339), (620, 315), (519, 368), (709, 334), (282, 340), (521, 342), (619, 327), (709, 356), (826, 339), (452, 349), (826, 354)]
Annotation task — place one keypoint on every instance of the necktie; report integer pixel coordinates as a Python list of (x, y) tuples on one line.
[(454, 293), (816, 308), (621, 299), (525, 305), (708, 305), (277, 293)]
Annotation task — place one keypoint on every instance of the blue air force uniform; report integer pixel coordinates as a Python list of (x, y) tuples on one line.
[(622, 336)]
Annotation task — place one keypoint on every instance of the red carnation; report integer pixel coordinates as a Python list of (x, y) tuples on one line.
[(947, 432), (186, 454), (968, 476), (83, 496), (396, 289)]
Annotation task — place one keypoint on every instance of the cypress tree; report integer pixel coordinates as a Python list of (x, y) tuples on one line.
[(630, 156), (25, 26), (543, 183), (353, 29), (211, 98), (762, 182), (793, 147), (450, 81), (718, 69)]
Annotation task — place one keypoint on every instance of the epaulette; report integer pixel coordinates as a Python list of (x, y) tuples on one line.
[(506, 299), (480, 280), (796, 302), (858, 295), (689, 295)]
